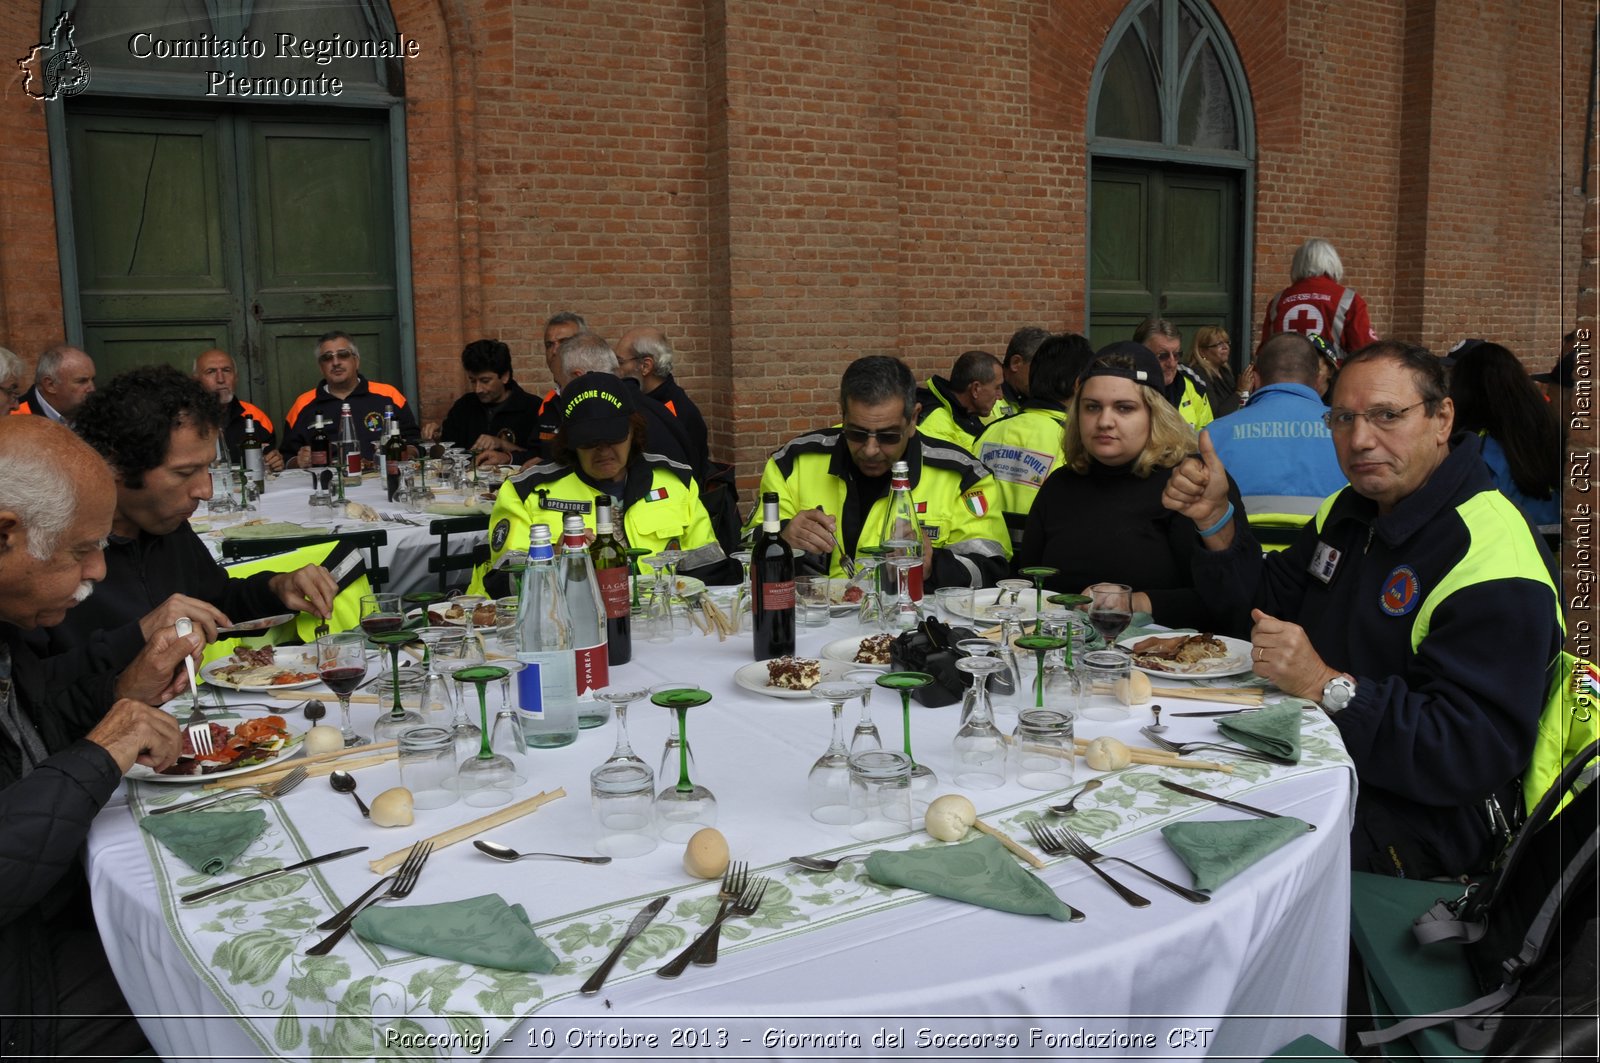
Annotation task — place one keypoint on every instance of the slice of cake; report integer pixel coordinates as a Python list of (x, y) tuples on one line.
[(874, 649), (793, 673)]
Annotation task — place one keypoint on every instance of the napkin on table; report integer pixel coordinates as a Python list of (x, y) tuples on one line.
[(1217, 850), (276, 529), (207, 841), (979, 872), (485, 931), (1274, 730)]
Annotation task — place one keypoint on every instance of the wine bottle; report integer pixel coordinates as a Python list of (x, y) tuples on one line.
[(902, 534), (547, 691), (772, 586), (319, 444), (611, 572), (255, 466), (584, 606), (394, 456)]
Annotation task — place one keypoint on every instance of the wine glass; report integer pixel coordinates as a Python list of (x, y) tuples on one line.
[(486, 779), (619, 699), (342, 665), (675, 743), (1040, 645), (866, 734), (742, 597), (980, 748), (382, 612), (829, 779), (1038, 574), (1010, 617), (870, 613), (923, 780), (509, 739), (1013, 588), (1078, 603), (905, 610), (398, 718), (666, 623), (687, 807), (1111, 610)]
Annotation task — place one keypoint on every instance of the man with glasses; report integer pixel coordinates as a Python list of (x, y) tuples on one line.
[(1178, 383), (1417, 608), (833, 484), (645, 355), (339, 360), (62, 379)]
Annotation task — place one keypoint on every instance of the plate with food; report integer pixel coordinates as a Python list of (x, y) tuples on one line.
[(789, 677), (456, 612), (243, 747), (1188, 655), (986, 600), (264, 668), (865, 651), (844, 596)]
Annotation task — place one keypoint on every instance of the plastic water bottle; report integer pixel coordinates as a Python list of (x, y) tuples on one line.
[(547, 691)]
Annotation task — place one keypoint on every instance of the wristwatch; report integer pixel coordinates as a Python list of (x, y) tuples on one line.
[(1337, 693)]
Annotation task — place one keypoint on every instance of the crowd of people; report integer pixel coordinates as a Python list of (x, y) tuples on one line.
[(1415, 483)]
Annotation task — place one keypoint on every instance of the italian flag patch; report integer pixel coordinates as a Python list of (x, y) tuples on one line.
[(655, 494), (1590, 682), (976, 503)]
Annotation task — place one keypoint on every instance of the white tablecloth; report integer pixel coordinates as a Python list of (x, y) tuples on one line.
[(1262, 963)]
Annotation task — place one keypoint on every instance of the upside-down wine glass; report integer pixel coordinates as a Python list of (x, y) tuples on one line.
[(1040, 645), (619, 698), (980, 748), (905, 610), (342, 665), (829, 779), (675, 743), (663, 618), (1038, 574), (687, 807), (1012, 587), (398, 718), (923, 780), (438, 703), (865, 736), (485, 779)]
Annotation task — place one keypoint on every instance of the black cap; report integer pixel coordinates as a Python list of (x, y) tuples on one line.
[(595, 409), (1561, 372), (1459, 350), (1146, 367)]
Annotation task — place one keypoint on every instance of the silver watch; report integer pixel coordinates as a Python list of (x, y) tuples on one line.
[(1337, 693)]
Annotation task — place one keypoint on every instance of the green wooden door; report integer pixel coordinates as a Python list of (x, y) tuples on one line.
[(240, 230), (1163, 243)]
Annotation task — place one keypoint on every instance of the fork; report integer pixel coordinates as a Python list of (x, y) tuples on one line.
[(733, 884), (197, 726), (747, 904), (271, 790), (1056, 847), (1183, 749), (405, 880), (1080, 848)]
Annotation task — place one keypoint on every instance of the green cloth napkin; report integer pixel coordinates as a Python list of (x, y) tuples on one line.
[(459, 509), (207, 841), (276, 529), (1274, 730), (484, 931), (979, 872), (1217, 850)]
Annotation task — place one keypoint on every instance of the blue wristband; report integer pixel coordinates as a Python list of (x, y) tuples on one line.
[(1207, 533)]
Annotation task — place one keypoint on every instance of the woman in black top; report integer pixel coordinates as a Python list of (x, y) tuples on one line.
[(1099, 517), (1209, 360)]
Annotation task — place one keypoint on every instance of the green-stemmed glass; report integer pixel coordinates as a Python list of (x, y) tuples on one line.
[(1041, 645), (398, 718), (688, 807), (923, 780), (634, 554), (486, 779), (421, 600), (1039, 573)]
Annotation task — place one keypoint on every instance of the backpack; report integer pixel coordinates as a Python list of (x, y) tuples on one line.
[(1528, 929), (1570, 722)]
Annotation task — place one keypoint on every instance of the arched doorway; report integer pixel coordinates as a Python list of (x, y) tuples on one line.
[(1172, 150), (193, 214)]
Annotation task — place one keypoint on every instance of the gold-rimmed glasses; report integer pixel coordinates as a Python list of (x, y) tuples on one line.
[(1383, 418)]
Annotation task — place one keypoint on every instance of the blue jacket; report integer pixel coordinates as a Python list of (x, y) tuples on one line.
[(1277, 444), (1537, 510)]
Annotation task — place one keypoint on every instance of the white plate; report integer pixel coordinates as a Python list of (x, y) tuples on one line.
[(1237, 662), (985, 601), (753, 677), (845, 650), (143, 773), (290, 657)]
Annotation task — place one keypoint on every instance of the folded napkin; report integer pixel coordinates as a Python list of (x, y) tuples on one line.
[(1217, 850), (274, 529), (484, 931), (207, 841), (459, 509), (1274, 730), (979, 872)]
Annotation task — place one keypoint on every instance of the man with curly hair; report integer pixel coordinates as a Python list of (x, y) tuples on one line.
[(158, 430)]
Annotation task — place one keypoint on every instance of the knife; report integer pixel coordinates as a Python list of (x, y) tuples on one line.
[(635, 928), (1223, 801), (212, 891), (1218, 712)]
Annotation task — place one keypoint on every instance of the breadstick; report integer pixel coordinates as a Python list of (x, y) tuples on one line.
[(322, 764), (468, 830)]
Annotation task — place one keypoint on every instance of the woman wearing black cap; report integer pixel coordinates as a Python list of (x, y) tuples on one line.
[(1099, 517)]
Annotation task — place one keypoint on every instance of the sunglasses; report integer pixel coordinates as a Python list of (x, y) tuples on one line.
[(342, 354), (886, 437)]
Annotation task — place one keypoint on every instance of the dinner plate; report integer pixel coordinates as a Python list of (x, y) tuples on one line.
[(837, 606), (288, 658), (144, 773), (986, 600), (845, 650), (250, 627), (1237, 662), (753, 677)]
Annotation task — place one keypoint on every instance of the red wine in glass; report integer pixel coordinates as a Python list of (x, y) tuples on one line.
[(1111, 623), (378, 623), (343, 679)]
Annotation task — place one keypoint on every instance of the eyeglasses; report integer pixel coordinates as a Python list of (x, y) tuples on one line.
[(1219, 343), (1383, 418), (342, 354), (886, 437), (1167, 356)]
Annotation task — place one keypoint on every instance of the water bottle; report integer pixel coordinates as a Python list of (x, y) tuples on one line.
[(547, 690), (902, 534)]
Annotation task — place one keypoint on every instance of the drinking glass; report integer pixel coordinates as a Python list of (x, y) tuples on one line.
[(980, 748), (342, 665), (905, 610), (382, 612), (1111, 610), (688, 807), (619, 699), (1042, 749), (1101, 671), (675, 744), (811, 600), (829, 779), (428, 766), (621, 795), (1011, 590), (865, 736), (398, 719), (1038, 574), (880, 794), (505, 624), (510, 741), (956, 603), (923, 780), (486, 779)]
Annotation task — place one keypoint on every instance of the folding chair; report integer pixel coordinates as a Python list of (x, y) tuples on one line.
[(444, 562), (370, 541)]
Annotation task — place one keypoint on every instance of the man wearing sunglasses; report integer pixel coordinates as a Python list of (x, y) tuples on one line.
[(1417, 607), (833, 484), (1179, 383), (339, 361)]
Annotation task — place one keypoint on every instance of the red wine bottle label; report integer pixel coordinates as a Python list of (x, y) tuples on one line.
[(777, 595), (613, 591), (352, 462), (593, 668), (914, 582)]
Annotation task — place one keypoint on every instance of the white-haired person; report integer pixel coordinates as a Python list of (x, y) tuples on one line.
[(1317, 302)]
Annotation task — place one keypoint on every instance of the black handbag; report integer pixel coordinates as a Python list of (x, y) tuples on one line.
[(931, 648)]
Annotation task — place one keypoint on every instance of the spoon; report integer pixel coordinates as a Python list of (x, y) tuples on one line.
[(1068, 808), (1158, 727), (345, 783), (823, 863), (510, 855), (315, 710)]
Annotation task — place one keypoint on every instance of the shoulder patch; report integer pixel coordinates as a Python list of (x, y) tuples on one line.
[(502, 532), (1401, 591)]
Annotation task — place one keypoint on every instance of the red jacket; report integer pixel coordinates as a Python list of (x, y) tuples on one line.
[(1318, 304)]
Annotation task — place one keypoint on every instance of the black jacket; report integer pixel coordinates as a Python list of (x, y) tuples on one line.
[(469, 418), (681, 406), (44, 820)]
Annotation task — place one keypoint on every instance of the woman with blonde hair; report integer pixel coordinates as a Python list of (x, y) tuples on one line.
[(1099, 517), (1208, 359)]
